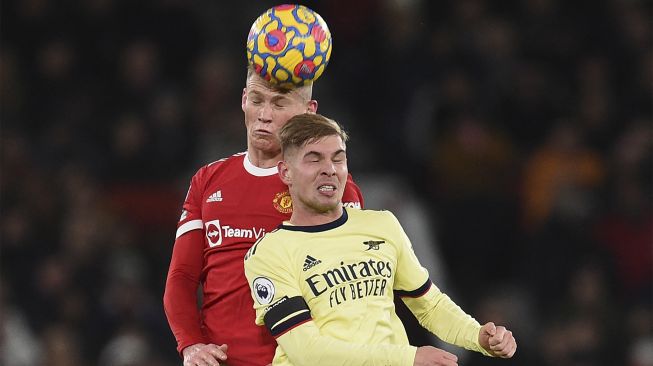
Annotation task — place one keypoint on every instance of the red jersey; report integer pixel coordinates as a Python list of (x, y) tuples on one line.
[(230, 204)]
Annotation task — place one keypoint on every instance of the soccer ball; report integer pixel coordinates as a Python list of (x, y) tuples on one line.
[(289, 45)]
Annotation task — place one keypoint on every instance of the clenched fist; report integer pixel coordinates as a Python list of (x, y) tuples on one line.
[(497, 340)]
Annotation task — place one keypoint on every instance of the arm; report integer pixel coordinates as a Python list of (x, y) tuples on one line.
[(436, 312), (184, 274), (311, 349), (304, 345), (180, 297)]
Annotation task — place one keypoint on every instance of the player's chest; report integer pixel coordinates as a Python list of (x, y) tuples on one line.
[(243, 209), (336, 272)]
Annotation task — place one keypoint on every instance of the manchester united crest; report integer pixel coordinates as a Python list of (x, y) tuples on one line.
[(282, 202)]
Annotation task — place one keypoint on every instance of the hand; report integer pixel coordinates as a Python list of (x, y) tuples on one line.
[(499, 341), (431, 356), (201, 354)]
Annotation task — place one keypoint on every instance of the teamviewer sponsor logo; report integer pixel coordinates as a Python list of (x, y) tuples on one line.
[(216, 232), (310, 262)]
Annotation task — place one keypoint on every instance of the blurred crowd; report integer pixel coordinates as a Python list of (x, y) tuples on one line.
[(523, 129)]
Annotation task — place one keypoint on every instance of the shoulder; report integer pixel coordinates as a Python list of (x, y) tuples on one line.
[(269, 257), (219, 166), (235, 159), (380, 222), (383, 216), (267, 247)]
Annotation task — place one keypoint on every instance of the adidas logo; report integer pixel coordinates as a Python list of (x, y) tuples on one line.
[(215, 197), (310, 262)]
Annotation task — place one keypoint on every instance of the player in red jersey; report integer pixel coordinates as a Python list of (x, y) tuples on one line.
[(230, 204)]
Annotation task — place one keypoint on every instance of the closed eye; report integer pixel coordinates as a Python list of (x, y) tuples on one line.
[(312, 157), (339, 157)]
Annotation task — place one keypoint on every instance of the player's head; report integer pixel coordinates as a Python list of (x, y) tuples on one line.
[(269, 107), (307, 128), (314, 162), (305, 90)]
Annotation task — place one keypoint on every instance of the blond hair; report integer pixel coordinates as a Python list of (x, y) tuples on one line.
[(306, 128), (306, 91)]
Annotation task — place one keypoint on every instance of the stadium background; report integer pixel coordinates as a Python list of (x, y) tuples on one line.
[(512, 138)]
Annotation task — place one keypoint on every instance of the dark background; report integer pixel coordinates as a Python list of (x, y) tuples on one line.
[(513, 139)]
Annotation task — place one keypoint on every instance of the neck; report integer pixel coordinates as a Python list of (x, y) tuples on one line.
[(261, 159), (305, 217)]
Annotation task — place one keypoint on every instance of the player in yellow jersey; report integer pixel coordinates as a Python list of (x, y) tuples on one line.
[(323, 282)]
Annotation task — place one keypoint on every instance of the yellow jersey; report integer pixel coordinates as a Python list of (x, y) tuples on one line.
[(326, 293)]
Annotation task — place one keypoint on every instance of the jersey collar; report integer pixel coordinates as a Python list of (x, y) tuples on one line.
[(317, 228), (256, 171)]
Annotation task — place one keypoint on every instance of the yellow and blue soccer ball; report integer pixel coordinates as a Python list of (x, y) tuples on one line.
[(289, 45)]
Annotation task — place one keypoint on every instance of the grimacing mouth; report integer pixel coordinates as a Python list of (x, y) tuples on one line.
[(327, 188)]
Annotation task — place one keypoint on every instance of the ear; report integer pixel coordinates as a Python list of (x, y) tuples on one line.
[(284, 172), (243, 99), (312, 106)]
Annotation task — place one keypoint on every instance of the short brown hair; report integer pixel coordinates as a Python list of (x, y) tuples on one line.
[(305, 128)]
